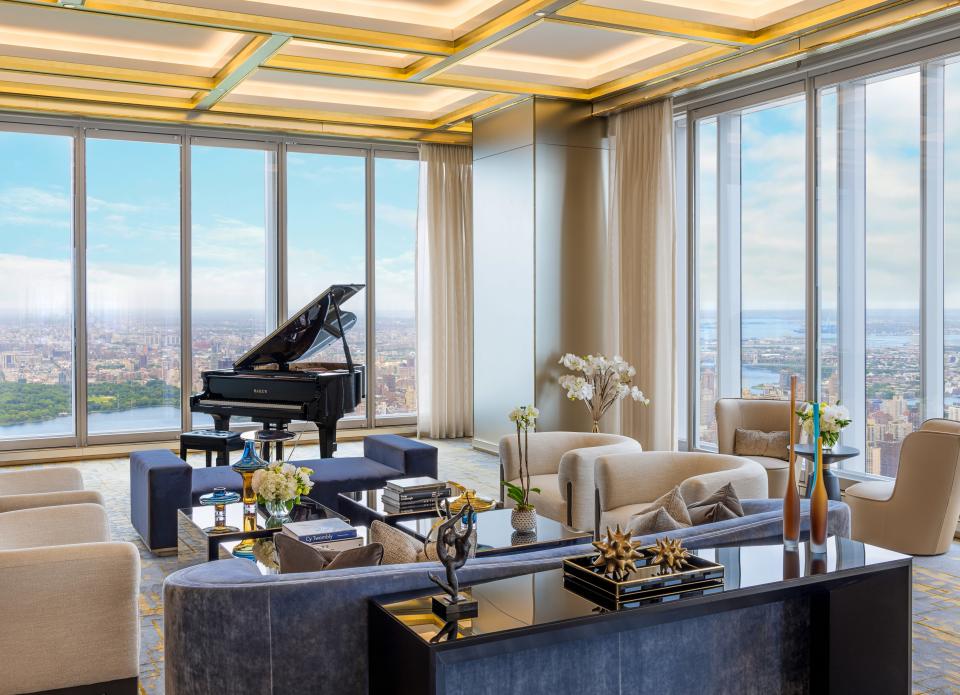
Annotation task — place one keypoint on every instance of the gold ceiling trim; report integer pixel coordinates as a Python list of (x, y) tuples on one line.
[(96, 95), (490, 84), (663, 26), (676, 66), (343, 68), (248, 59), (60, 68), (239, 21), (213, 119)]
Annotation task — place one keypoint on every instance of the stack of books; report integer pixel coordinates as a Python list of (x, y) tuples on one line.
[(326, 534), (413, 495)]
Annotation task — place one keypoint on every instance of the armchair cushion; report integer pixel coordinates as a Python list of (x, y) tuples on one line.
[(757, 443), (399, 548), (726, 496), (54, 479), (48, 526), (9, 503), (658, 520), (674, 504)]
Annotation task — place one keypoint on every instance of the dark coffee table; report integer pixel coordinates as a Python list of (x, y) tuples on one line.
[(495, 536), (367, 506), (196, 543)]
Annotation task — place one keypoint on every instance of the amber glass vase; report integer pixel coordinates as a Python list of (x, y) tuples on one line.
[(791, 496), (818, 507)]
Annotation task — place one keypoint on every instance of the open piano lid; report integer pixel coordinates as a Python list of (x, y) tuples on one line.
[(309, 331)]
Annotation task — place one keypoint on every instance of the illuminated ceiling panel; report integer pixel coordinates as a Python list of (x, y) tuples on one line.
[(10, 77), (438, 19), (347, 54), (749, 15), (572, 55), (276, 88)]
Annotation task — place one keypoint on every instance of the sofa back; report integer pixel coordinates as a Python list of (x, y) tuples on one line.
[(223, 620)]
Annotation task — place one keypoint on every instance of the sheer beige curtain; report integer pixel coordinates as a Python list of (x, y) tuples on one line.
[(643, 227), (445, 292)]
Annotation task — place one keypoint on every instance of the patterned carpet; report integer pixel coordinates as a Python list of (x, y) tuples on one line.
[(936, 590)]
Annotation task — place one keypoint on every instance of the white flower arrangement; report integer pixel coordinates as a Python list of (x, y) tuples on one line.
[(599, 382), (282, 482), (525, 418), (833, 418)]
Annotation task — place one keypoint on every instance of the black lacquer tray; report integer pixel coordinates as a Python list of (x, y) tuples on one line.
[(647, 584)]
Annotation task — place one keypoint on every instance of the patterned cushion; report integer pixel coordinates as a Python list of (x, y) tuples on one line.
[(399, 547), (756, 443)]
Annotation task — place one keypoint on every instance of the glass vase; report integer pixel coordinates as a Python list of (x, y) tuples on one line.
[(279, 513)]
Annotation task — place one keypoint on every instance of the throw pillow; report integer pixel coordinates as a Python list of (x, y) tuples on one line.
[(756, 443), (655, 521), (711, 513), (675, 505), (398, 547), (725, 497), (297, 556)]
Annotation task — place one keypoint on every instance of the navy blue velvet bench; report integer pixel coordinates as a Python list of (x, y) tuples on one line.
[(161, 482)]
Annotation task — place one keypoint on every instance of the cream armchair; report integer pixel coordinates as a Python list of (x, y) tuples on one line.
[(917, 513), (561, 465), (628, 483), (69, 601), (44, 487), (760, 415)]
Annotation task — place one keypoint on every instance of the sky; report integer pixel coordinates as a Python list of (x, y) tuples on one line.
[(133, 223)]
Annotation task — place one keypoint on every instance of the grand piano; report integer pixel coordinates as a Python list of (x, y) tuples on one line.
[(275, 382)]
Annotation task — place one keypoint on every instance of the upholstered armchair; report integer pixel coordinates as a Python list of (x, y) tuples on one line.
[(44, 487), (69, 594), (628, 483), (760, 415), (561, 465), (917, 513)]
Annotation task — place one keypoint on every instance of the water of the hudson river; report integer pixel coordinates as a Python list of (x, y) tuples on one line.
[(161, 417)]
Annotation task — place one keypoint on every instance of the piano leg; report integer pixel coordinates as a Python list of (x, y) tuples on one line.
[(328, 440), (221, 422)]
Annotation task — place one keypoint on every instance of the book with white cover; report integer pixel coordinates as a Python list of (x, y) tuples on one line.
[(340, 545), (320, 530), (408, 485)]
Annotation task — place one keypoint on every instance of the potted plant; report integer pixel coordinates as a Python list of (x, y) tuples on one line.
[(523, 517), (599, 382), (278, 487), (833, 418)]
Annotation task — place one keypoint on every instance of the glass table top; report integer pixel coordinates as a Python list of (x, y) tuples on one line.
[(541, 598), (495, 534)]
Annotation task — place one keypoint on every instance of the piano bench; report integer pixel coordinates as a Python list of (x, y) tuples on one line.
[(160, 483), (221, 442)]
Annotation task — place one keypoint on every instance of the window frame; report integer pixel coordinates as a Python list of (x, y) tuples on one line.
[(82, 129)]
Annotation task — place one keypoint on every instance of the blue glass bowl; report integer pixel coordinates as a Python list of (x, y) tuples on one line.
[(219, 496)]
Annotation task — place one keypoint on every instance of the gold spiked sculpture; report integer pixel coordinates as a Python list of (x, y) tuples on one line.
[(617, 554), (670, 555)]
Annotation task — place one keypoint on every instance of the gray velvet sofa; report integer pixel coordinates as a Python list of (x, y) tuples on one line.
[(229, 629)]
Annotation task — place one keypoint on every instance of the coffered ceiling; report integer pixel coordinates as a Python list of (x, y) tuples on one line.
[(407, 69)]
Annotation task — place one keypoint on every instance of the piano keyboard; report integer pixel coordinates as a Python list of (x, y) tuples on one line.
[(260, 405)]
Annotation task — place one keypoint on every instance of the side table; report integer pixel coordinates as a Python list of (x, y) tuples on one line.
[(830, 457)]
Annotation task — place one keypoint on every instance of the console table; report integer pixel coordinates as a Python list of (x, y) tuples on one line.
[(784, 622)]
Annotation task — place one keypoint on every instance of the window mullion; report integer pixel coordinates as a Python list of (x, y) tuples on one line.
[(728, 250), (80, 285), (851, 252), (932, 186)]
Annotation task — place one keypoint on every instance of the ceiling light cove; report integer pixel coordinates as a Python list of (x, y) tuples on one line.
[(750, 15)]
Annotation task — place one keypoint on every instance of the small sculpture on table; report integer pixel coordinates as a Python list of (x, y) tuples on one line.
[(670, 555), (454, 547), (617, 554)]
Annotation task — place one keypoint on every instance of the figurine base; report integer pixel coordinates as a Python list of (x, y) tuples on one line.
[(444, 607)]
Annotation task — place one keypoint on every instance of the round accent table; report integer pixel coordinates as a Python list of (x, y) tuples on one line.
[(830, 457), (266, 437)]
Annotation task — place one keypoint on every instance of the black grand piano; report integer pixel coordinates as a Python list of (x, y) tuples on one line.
[(275, 383)]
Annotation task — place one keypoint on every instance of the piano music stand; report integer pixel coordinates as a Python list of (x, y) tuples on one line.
[(266, 437)]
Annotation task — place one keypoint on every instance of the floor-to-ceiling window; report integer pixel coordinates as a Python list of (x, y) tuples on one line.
[(233, 257), (133, 284), (885, 338), (327, 238), (36, 297), (188, 249), (396, 186), (750, 254)]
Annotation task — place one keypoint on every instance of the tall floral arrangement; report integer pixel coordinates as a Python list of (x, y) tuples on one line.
[(599, 382), (833, 418), (525, 419)]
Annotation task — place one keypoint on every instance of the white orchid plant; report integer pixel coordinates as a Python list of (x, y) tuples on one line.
[(525, 418), (599, 382), (282, 482), (833, 418)]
